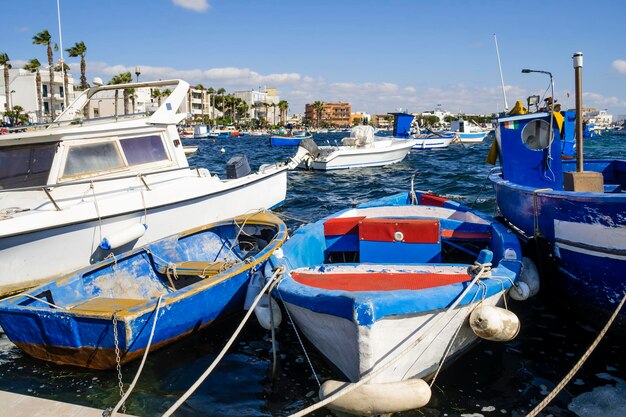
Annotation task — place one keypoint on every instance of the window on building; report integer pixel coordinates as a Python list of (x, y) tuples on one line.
[(26, 166), (44, 90), (61, 92), (46, 107), (144, 149)]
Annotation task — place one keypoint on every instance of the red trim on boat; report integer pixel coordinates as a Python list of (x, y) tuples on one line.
[(432, 200), (342, 226), (456, 234), (377, 281), (413, 230)]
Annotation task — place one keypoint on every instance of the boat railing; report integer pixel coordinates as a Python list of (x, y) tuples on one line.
[(142, 177)]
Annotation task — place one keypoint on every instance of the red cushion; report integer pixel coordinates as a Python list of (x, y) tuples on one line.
[(342, 226), (432, 200), (377, 281), (413, 230)]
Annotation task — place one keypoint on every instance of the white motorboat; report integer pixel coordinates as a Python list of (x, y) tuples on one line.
[(80, 190), (361, 149)]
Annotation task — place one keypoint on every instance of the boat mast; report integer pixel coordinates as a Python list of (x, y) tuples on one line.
[(506, 105), (578, 68), (61, 46)]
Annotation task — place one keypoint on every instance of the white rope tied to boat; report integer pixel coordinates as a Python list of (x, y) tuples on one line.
[(277, 273), (143, 361), (349, 387), (578, 364)]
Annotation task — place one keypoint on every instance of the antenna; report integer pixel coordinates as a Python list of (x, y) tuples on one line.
[(506, 105)]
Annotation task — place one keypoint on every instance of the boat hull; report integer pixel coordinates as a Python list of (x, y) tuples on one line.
[(287, 141), (587, 232), (346, 157), (432, 143)]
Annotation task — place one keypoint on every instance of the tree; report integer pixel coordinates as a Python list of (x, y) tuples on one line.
[(318, 107), (33, 66), (44, 38), (283, 106), (65, 69), (156, 93), (79, 49), (16, 116), (4, 61), (221, 92), (211, 93), (122, 78)]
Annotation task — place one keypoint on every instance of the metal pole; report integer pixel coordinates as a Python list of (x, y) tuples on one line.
[(578, 68), (61, 45), (506, 105)]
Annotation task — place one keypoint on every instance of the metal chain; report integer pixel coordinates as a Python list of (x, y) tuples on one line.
[(118, 365)]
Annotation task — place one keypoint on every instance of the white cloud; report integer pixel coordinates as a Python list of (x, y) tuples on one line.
[(195, 5), (619, 65)]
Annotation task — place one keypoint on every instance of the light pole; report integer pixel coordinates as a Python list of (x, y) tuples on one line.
[(11, 99), (137, 73)]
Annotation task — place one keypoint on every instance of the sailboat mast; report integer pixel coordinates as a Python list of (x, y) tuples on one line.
[(506, 105)]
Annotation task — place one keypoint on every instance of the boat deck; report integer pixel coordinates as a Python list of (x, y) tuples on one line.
[(18, 405)]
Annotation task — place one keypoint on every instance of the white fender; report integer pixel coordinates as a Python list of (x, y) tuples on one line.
[(373, 399), (520, 291), (117, 239), (530, 276), (494, 323), (265, 309)]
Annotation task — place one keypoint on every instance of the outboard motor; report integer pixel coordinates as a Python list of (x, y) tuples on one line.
[(307, 152), (237, 167)]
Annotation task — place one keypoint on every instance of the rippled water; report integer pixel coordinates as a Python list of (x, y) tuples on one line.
[(493, 379)]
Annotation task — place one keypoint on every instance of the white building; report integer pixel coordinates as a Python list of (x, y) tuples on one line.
[(600, 118), (23, 92), (262, 104)]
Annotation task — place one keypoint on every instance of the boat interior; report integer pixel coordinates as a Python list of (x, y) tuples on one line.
[(180, 262)]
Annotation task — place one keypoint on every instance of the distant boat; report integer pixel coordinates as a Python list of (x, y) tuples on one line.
[(572, 213), (361, 149), (200, 131), (200, 276), (290, 138), (185, 132), (391, 289), (403, 126), (466, 132)]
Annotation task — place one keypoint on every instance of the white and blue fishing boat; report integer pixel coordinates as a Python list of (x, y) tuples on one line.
[(404, 125), (572, 212), (385, 292), (103, 314), (290, 139)]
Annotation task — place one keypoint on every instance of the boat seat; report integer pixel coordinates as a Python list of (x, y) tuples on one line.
[(389, 240), (432, 200), (342, 234), (108, 305)]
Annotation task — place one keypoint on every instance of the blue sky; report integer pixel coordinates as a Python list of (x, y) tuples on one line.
[(378, 55)]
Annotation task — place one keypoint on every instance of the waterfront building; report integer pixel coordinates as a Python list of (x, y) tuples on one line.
[(382, 121), (263, 105), (359, 118), (23, 92), (600, 118), (333, 114)]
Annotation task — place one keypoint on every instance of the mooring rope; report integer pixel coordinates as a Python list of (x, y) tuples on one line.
[(578, 365), (349, 387), (143, 361), (277, 273)]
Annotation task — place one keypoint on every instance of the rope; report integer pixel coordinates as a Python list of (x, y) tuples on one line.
[(277, 273), (349, 387), (143, 361), (286, 216), (536, 209), (43, 301), (578, 365)]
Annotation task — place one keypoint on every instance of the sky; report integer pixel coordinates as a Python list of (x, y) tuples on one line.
[(381, 56)]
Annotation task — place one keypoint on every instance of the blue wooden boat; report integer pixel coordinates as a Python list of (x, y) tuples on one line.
[(380, 280), (199, 276), (573, 220), (290, 140)]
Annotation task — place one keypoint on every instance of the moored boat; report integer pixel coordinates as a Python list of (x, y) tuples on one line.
[(361, 149), (102, 315), (384, 292), (571, 212), (68, 188), (290, 138)]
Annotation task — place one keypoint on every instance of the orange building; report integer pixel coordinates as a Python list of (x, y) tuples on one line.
[(333, 114)]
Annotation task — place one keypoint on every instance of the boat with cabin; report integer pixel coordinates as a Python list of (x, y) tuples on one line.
[(361, 149), (405, 127), (394, 288), (111, 312), (466, 132), (570, 212), (289, 137), (79, 190)]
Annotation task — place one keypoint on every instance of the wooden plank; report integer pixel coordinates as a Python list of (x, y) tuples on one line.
[(18, 405)]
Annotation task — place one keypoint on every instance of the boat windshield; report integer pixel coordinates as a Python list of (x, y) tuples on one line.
[(26, 166)]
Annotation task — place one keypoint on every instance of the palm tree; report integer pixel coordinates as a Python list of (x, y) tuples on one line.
[(79, 49), (33, 66), (122, 78), (267, 111), (211, 93), (283, 106), (221, 92), (44, 38), (4, 61), (65, 69), (274, 105), (156, 93), (318, 106)]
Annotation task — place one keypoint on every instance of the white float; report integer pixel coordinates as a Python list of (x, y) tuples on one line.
[(494, 323)]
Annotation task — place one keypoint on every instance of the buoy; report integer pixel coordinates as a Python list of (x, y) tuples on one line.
[(222, 150), (265, 309), (530, 276), (373, 399), (520, 291), (494, 323), (115, 240)]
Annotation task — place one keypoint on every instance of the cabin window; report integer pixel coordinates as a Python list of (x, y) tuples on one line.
[(144, 149), (97, 157), (26, 166)]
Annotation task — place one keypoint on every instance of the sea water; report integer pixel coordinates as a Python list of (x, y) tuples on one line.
[(492, 379)]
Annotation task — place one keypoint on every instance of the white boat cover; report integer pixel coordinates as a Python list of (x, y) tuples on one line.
[(361, 136)]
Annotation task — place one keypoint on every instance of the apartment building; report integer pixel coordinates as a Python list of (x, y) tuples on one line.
[(262, 104), (333, 114)]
